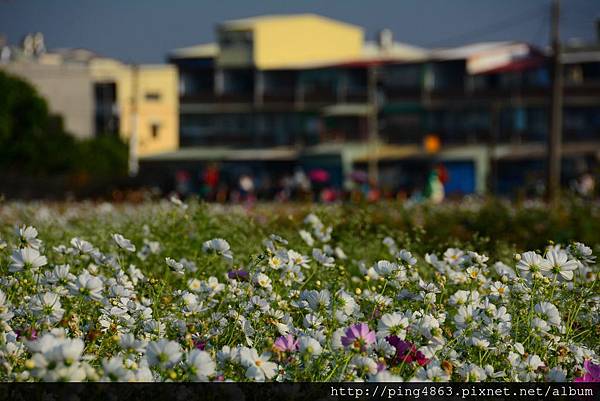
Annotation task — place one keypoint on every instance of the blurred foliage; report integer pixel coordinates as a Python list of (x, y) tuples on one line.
[(34, 142), (495, 228)]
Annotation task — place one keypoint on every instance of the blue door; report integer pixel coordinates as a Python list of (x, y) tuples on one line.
[(461, 177)]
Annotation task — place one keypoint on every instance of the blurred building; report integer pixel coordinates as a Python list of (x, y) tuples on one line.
[(96, 95), (278, 92)]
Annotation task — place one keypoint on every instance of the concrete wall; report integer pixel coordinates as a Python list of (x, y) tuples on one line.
[(68, 89)]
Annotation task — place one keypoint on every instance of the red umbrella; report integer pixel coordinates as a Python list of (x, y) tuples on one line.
[(319, 175)]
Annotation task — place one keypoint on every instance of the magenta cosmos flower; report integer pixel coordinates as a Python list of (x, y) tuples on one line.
[(592, 374), (358, 336), (286, 343), (406, 352)]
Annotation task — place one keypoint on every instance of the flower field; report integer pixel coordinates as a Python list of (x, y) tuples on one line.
[(170, 291)]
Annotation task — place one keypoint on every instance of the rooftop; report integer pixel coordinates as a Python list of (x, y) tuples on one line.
[(207, 50), (251, 22)]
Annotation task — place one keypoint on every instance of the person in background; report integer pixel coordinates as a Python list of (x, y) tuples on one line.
[(211, 182), (434, 189), (301, 185), (246, 188), (586, 185), (183, 183)]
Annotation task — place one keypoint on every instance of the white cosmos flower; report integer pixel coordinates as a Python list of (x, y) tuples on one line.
[(559, 264), (347, 303), (228, 354), (499, 289), (460, 297), (297, 258), (316, 299), (550, 312), (504, 270), (431, 373), (583, 253), (309, 346), (313, 220), (532, 262), (384, 348), (556, 374), (220, 246), (87, 285), (364, 365), (163, 353), (114, 370), (407, 257), (194, 284), (130, 344), (533, 362), (339, 253), (384, 268), (69, 351), (465, 316), (177, 202), (200, 364), (322, 258), (472, 372), (28, 236), (540, 325), (212, 285), (48, 307), (123, 242), (262, 280), (82, 246), (385, 376), (5, 308), (454, 256), (259, 368), (26, 258), (175, 266), (392, 324), (307, 237)]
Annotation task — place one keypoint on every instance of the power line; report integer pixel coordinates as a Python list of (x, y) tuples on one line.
[(495, 27), (541, 34)]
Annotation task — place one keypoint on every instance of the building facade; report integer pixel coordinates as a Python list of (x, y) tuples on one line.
[(280, 92), (102, 96)]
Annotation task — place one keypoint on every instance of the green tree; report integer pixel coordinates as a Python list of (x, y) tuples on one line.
[(34, 142)]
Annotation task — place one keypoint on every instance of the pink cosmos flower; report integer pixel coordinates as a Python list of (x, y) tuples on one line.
[(592, 374), (286, 343), (30, 333), (358, 336)]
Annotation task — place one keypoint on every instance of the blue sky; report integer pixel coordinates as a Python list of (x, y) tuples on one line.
[(145, 30)]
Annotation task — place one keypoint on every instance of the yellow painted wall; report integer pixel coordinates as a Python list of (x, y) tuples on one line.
[(304, 40), (162, 80), (163, 111)]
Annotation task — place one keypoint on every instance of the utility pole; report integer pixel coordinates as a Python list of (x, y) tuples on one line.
[(494, 135), (555, 131), (373, 126), (133, 137)]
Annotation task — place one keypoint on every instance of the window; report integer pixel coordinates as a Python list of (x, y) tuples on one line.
[(106, 109), (155, 130), (152, 96), (235, 39)]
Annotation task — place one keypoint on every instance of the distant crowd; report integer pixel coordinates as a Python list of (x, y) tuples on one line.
[(315, 185)]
